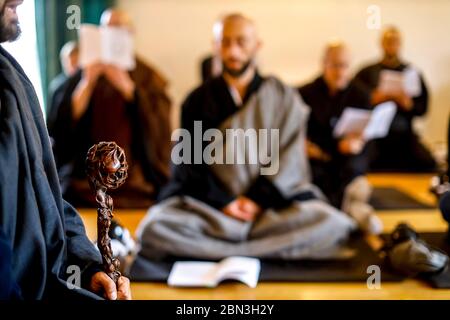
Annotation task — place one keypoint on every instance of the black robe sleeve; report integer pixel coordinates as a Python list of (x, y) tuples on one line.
[(266, 194), (60, 122), (420, 103), (9, 289)]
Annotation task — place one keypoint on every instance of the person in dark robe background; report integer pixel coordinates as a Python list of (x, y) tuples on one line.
[(445, 200), (401, 150), (338, 165), (41, 235), (440, 183), (105, 103), (68, 58)]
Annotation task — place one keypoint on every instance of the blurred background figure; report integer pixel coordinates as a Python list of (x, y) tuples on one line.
[(440, 183), (445, 210), (68, 57), (401, 150), (338, 164), (102, 102), (211, 66)]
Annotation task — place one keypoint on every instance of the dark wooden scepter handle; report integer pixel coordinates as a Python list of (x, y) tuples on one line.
[(107, 169)]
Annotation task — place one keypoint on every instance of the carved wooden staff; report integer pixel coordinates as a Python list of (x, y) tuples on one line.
[(106, 168)]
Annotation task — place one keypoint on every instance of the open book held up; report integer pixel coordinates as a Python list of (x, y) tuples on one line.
[(210, 274), (371, 124), (109, 45), (407, 80)]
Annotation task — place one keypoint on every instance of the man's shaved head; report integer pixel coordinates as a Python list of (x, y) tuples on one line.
[(239, 20), (333, 48), (239, 44), (391, 40), (9, 22), (114, 17), (69, 57), (336, 65)]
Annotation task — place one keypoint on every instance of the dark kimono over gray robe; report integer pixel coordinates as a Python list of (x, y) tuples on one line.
[(45, 234), (295, 223)]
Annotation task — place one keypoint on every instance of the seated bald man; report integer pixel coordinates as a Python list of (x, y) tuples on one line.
[(401, 150), (42, 238), (106, 103), (227, 198), (339, 164)]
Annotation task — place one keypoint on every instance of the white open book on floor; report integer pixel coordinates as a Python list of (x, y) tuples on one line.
[(109, 45), (210, 274), (371, 124)]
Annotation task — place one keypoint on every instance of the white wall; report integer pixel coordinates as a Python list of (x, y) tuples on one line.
[(175, 34)]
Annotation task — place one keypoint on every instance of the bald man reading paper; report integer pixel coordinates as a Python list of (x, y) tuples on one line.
[(238, 200), (401, 150), (41, 235)]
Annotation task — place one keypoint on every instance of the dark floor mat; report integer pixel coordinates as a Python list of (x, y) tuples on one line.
[(389, 198), (352, 270)]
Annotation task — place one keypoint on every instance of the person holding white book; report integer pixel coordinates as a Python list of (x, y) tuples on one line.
[(107, 102), (339, 163), (392, 79)]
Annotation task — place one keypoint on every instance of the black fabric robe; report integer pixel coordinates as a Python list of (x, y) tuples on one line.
[(212, 103), (206, 69), (44, 232), (401, 150), (9, 289), (333, 176), (56, 91)]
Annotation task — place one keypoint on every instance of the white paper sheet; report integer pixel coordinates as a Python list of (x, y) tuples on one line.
[(408, 80), (109, 45), (370, 124), (380, 121)]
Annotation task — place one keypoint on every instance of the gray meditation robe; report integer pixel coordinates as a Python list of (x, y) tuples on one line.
[(186, 227)]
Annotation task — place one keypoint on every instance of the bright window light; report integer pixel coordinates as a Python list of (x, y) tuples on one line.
[(25, 49)]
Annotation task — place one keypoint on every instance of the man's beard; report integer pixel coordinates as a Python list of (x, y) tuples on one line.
[(237, 73), (391, 60), (8, 31)]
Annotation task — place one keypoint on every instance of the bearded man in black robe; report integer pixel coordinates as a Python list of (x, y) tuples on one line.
[(42, 237)]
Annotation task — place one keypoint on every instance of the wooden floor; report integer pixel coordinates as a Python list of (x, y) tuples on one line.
[(421, 220)]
